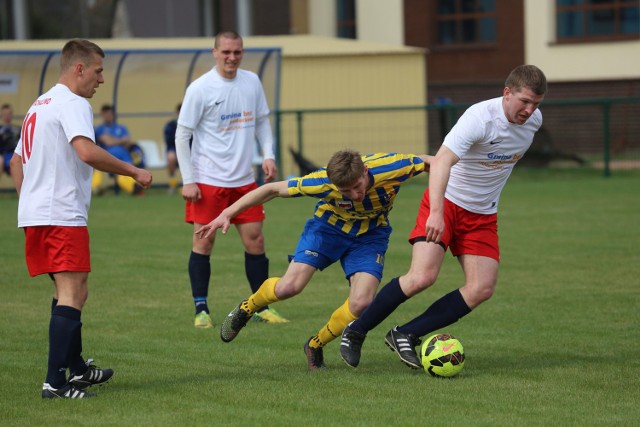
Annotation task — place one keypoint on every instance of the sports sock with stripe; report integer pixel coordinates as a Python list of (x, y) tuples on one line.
[(263, 297), (200, 274), (340, 318)]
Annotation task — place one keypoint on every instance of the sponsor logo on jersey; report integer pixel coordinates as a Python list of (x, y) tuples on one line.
[(345, 204), (494, 156)]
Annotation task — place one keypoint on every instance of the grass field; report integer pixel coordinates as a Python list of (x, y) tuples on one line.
[(558, 343)]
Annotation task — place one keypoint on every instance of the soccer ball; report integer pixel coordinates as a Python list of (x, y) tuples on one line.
[(442, 355)]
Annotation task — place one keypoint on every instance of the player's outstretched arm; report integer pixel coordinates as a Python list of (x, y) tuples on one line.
[(427, 161), (258, 196)]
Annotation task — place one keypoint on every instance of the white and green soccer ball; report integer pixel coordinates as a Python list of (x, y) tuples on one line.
[(442, 355)]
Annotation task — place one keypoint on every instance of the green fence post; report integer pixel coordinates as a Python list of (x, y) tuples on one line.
[(278, 144), (606, 142), (299, 128)]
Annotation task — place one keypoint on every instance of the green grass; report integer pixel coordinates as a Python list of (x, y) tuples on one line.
[(558, 343)]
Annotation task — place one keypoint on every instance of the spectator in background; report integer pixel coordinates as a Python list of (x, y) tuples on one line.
[(115, 138), (9, 136), (112, 136), (170, 145)]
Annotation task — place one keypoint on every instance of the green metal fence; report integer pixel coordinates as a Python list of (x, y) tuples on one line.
[(601, 133)]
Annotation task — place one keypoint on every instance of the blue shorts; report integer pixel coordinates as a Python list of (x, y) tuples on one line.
[(321, 245)]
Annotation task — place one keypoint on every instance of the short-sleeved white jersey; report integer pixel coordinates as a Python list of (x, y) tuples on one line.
[(56, 189), (226, 116), (488, 147)]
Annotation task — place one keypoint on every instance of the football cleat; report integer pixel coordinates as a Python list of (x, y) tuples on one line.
[(351, 346), (233, 323), (69, 391), (93, 376), (315, 357), (404, 345), (269, 316), (203, 321)]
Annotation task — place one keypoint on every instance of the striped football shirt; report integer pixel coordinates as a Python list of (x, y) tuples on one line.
[(387, 171)]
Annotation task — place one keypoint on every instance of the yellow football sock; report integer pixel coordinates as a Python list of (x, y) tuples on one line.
[(173, 182), (333, 329), (263, 297)]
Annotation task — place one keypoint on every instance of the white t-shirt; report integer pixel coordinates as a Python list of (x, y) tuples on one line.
[(488, 147), (226, 116), (56, 189)]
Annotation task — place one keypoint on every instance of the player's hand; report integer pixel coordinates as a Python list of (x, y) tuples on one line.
[(207, 230), (144, 178), (270, 170), (191, 192), (434, 228)]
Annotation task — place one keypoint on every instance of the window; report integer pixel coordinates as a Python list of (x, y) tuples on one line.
[(346, 11), (597, 20), (462, 22)]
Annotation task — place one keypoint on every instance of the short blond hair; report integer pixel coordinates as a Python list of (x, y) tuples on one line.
[(79, 50), (226, 35)]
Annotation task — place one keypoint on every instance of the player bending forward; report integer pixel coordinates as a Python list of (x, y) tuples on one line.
[(350, 224), (459, 211)]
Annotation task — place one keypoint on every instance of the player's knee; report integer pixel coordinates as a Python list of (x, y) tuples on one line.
[(415, 283), (357, 305), (287, 289), (478, 294), (255, 244)]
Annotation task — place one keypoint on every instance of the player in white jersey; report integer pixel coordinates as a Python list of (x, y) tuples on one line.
[(223, 113), (52, 168), (458, 211)]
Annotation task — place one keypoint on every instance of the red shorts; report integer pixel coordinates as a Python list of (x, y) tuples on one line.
[(466, 233), (215, 199), (54, 249)]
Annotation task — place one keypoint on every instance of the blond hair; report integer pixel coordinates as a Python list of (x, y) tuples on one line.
[(79, 50)]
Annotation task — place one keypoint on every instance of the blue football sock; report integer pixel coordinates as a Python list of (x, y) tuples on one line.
[(387, 300), (200, 273), (63, 326), (445, 311), (256, 268)]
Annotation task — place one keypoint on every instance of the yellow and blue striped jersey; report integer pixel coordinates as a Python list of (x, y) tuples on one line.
[(387, 171)]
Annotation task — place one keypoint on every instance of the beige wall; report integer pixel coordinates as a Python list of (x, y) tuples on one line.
[(358, 81), (315, 73), (322, 18), (380, 21), (575, 62)]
